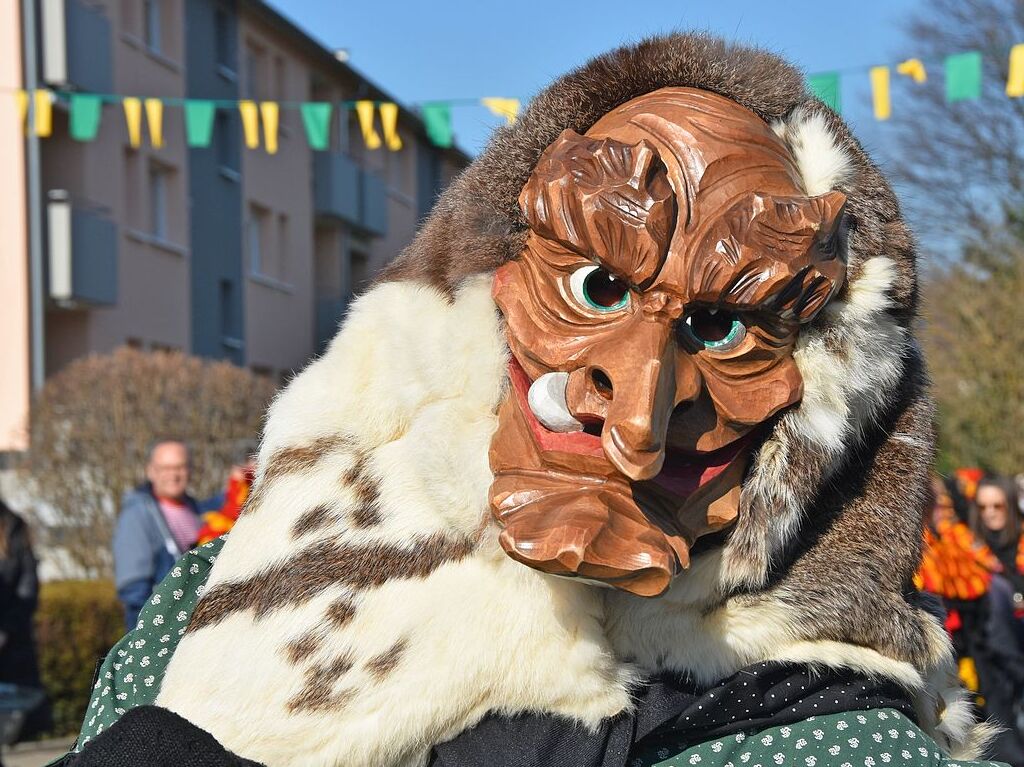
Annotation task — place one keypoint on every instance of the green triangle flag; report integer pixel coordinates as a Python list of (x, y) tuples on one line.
[(963, 76), (84, 121), (437, 117), (199, 122), (316, 116), (826, 87)]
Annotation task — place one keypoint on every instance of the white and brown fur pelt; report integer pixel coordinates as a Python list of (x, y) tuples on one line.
[(361, 610)]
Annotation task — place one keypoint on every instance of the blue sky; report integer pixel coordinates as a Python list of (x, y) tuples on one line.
[(420, 51)]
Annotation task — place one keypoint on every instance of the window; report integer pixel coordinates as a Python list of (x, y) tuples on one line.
[(281, 262), (256, 238), (255, 72), (151, 21), (226, 140), (158, 201), (222, 39), (227, 310), (133, 197), (400, 169), (359, 265)]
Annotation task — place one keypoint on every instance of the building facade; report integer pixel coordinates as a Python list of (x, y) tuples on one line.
[(220, 251)]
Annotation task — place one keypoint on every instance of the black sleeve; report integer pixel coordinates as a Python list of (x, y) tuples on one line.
[(150, 736)]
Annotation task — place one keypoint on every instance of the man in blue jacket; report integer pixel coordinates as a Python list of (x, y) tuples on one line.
[(158, 523)]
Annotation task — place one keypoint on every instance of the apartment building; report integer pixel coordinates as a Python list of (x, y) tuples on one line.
[(220, 251)]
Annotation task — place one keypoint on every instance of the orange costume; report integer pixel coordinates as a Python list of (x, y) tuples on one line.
[(216, 523)]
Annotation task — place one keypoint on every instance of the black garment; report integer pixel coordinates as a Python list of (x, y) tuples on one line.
[(19, 596), (1006, 553), (149, 736), (757, 697)]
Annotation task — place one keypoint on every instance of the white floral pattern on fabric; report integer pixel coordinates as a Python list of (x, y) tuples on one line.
[(849, 739), (128, 678)]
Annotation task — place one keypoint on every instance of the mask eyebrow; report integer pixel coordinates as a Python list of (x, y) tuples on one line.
[(605, 200), (775, 254)]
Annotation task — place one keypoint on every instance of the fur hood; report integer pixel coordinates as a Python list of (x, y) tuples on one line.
[(365, 569)]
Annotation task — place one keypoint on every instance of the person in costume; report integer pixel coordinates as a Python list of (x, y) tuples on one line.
[(624, 461)]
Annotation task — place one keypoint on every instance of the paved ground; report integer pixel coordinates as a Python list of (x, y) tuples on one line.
[(35, 754)]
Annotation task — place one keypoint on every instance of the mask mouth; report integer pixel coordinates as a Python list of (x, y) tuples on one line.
[(686, 471)]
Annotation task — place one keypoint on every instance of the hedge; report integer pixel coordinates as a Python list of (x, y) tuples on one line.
[(76, 624)]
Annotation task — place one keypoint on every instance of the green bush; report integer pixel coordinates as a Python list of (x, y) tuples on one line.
[(76, 624)]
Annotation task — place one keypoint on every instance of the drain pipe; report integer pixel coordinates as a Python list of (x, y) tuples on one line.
[(35, 202)]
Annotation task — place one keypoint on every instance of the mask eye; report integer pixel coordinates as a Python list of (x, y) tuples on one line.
[(599, 290), (716, 330)]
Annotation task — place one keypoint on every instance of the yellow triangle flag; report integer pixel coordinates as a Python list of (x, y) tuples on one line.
[(133, 119), (507, 108), (1015, 82), (250, 123), (43, 104), (364, 111), (271, 114), (21, 102), (155, 118), (389, 122), (914, 69), (880, 92)]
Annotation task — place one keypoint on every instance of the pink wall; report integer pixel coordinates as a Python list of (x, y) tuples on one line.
[(14, 291)]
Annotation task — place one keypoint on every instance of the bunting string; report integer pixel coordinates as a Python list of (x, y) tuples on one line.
[(378, 120)]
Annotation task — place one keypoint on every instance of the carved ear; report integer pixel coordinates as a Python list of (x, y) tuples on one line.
[(599, 197)]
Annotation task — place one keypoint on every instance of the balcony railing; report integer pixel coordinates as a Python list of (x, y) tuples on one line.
[(82, 253), (342, 190), (76, 47)]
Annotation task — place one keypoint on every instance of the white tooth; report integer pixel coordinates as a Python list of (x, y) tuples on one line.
[(547, 401), (712, 312)]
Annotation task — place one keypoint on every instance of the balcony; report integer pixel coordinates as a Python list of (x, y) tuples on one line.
[(82, 253), (342, 190), (76, 48)]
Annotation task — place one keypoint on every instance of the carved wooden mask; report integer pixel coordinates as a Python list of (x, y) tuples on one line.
[(671, 258)]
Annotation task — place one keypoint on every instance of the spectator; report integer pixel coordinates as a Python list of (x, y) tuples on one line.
[(159, 522), (996, 521), (19, 594)]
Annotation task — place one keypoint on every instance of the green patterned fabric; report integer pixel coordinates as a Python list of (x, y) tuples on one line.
[(873, 738), (131, 673), (130, 676)]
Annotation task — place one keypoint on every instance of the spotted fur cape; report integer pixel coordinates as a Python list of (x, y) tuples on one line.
[(368, 610)]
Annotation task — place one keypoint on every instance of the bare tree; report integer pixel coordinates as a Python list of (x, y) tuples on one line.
[(961, 165), (960, 169), (93, 422)]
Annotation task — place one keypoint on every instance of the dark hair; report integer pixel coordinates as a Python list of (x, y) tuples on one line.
[(1011, 532)]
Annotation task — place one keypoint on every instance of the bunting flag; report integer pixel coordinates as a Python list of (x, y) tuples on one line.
[(250, 123), (155, 121), (389, 122), (963, 76), (364, 111), (914, 69), (880, 93), (42, 104), (21, 102), (271, 115), (826, 87), (437, 118), (84, 118), (199, 117), (316, 118), (507, 108), (133, 119), (1015, 80)]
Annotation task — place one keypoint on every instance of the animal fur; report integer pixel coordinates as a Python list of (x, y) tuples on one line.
[(362, 597)]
